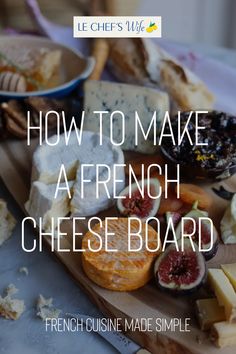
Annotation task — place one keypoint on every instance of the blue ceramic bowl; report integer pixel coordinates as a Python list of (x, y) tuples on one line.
[(75, 68)]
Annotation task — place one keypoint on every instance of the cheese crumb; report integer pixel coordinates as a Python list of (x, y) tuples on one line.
[(11, 290), (45, 309), (24, 270), (11, 308)]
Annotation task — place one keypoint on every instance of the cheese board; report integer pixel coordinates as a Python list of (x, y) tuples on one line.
[(147, 302)]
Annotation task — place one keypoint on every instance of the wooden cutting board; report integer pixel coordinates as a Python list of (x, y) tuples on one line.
[(146, 302)]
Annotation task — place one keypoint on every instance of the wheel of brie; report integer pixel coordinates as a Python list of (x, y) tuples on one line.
[(47, 161)]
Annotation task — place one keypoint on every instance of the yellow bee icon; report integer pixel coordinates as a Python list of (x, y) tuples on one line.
[(152, 27)]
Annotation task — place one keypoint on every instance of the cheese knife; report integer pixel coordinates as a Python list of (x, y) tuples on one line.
[(117, 339)]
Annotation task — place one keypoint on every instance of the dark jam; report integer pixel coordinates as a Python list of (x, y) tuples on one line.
[(219, 134)]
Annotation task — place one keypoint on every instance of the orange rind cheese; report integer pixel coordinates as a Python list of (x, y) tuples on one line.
[(190, 193), (123, 270)]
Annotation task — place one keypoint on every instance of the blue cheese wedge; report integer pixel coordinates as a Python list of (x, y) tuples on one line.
[(110, 97), (228, 223)]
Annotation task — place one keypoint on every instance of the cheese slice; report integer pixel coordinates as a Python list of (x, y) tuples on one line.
[(223, 334), (121, 270), (209, 312), (110, 97), (42, 203), (224, 292), (230, 272)]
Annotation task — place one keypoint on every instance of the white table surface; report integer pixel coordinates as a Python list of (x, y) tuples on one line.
[(48, 277)]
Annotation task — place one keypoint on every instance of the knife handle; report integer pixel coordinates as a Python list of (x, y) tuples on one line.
[(143, 351)]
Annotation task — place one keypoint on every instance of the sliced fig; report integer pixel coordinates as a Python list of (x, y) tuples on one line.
[(138, 205), (205, 232), (175, 216), (180, 272)]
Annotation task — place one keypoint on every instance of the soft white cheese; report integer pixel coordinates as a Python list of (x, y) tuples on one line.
[(95, 198), (228, 223), (47, 162), (42, 203)]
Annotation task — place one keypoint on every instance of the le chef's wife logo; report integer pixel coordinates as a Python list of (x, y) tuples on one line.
[(116, 26)]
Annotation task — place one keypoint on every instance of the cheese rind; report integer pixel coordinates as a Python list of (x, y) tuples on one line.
[(224, 292), (47, 162), (209, 312), (110, 97), (42, 204), (122, 270)]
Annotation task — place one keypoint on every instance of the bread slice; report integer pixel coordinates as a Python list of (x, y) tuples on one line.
[(7, 222), (123, 270), (141, 61)]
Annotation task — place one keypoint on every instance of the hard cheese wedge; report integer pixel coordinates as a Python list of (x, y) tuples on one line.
[(208, 312), (224, 292), (110, 97), (230, 272), (224, 334)]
